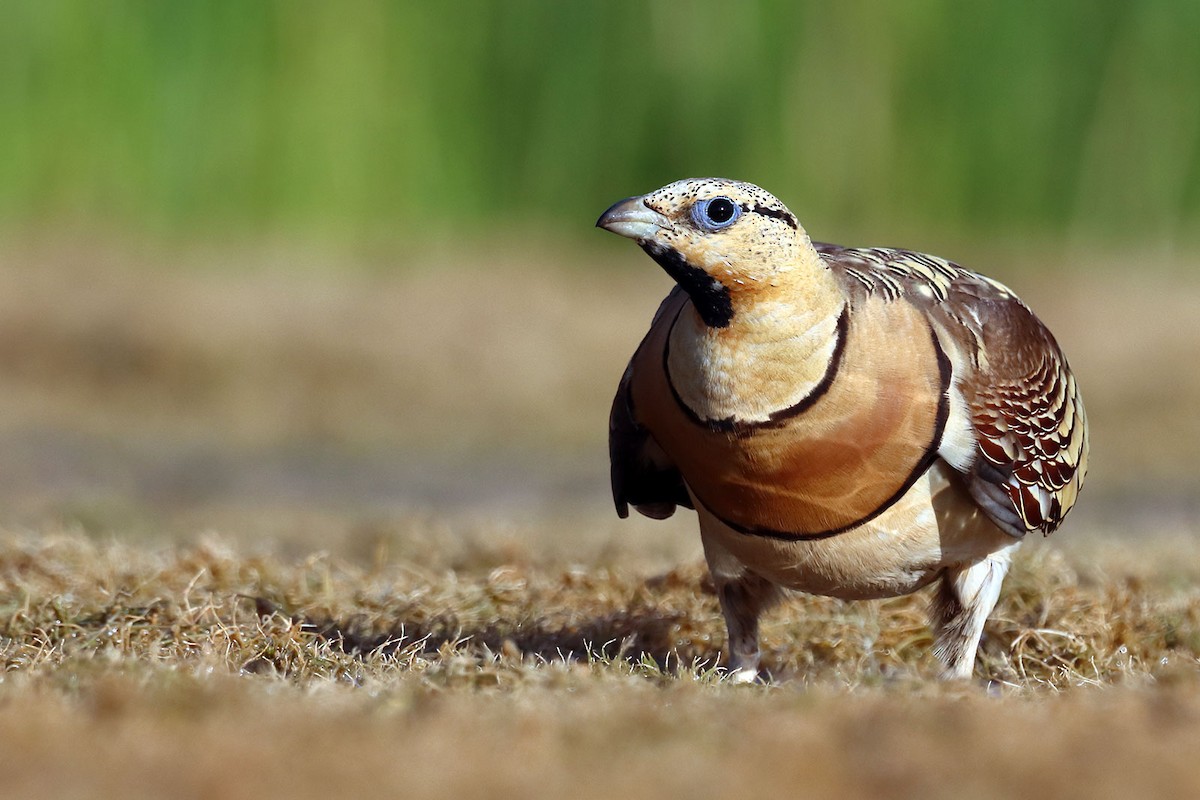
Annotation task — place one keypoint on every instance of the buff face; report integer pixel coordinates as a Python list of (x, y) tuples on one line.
[(717, 238)]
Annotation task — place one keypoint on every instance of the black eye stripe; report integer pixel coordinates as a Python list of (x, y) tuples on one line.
[(780, 214)]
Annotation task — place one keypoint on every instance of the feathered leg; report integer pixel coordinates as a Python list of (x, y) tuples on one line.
[(964, 599), (744, 596), (743, 600)]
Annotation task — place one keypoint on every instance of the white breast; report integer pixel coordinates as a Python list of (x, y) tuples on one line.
[(736, 373)]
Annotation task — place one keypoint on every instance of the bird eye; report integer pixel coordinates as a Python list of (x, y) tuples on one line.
[(715, 214)]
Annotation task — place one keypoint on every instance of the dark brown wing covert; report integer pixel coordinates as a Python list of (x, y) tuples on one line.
[(1030, 420)]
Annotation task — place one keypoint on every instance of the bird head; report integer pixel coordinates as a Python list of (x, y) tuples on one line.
[(720, 239)]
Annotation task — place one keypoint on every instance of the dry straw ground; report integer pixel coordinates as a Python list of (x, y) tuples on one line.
[(270, 533)]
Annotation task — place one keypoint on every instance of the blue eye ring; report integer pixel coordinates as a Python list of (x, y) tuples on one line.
[(716, 213)]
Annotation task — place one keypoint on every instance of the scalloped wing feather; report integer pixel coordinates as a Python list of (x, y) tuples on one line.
[(1030, 421)]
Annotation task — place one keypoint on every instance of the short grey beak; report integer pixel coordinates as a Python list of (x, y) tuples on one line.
[(633, 219)]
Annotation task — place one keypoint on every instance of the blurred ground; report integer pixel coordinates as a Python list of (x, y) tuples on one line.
[(242, 381)]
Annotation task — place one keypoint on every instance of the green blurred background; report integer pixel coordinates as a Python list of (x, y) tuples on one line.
[(888, 122)]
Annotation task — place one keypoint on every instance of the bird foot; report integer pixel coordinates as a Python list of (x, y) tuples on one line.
[(741, 676)]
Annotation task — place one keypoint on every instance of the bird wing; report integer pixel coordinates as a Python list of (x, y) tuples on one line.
[(642, 474), (1027, 412), (1022, 446)]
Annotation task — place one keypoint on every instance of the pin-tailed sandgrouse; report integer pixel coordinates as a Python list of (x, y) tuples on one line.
[(849, 422)]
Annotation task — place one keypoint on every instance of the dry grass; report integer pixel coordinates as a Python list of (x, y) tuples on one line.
[(201, 671), (415, 586)]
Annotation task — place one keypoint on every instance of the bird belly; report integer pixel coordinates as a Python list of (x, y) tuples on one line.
[(933, 526)]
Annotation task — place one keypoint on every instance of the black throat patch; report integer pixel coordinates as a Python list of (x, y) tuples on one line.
[(709, 296)]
